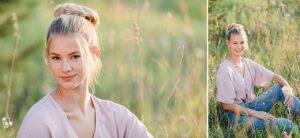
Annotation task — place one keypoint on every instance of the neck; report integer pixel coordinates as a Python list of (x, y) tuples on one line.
[(235, 59), (74, 99)]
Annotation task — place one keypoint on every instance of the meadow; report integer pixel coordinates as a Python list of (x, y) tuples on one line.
[(153, 56), (273, 31)]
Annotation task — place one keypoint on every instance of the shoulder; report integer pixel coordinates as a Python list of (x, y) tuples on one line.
[(128, 125), (224, 68), (109, 106), (250, 62), (40, 110), (36, 119), (253, 65)]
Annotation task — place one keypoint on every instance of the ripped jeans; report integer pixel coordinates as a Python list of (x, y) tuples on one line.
[(265, 102)]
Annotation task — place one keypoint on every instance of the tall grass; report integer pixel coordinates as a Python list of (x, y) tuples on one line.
[(153, 55), (273, 31)]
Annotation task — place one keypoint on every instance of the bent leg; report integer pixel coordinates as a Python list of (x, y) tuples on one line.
[(266, 100), (259, 124), (277, 123), (295, 108)]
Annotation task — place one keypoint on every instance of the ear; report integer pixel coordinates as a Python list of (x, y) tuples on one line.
[(96, 51)]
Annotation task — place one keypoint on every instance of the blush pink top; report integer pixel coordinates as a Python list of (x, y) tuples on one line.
[(46, 119), (233, 87)]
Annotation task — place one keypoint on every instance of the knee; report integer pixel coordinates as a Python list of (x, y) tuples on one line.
[(283, 123), (277, 88)]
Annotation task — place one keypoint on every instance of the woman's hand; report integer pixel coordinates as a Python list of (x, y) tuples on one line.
[(237, 109), (286, 135), (286, 89), (264, 115), (288, 95)]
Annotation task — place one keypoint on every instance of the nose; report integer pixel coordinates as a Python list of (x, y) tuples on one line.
[(240, 46), (66, 66)]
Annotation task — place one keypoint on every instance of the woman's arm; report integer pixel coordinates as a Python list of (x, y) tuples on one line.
[(237, 109), (286, 88), (278, 79)]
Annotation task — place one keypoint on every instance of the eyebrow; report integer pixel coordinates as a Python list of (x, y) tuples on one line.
[(73, 53), (237, 41)]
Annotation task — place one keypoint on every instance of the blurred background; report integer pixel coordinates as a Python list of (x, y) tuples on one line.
[(153, 55), (273, 31)]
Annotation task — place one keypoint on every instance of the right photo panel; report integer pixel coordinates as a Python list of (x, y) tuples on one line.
[(254, 68)]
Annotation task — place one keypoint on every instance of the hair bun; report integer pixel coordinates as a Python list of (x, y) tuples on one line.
[(74, 9), (235, 25)]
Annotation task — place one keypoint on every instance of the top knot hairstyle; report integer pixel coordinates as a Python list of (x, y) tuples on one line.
[(73, 9), (73, 18), (81, 23), (237, 29)]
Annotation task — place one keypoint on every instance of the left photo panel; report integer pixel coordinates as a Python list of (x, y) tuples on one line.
[(113, 69)]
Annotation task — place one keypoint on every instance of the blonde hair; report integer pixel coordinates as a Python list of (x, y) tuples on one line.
[(237, 29), (80, 22)]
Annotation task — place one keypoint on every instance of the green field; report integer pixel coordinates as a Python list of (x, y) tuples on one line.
[(273, 31), (153, 55)]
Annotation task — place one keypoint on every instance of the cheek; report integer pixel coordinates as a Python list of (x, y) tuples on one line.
[(235, 45), (232, 47), (79, 66), (87, 69), (54, 67)]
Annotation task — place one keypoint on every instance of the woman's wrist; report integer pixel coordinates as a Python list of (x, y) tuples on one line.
[(287, 90), (251, 112)]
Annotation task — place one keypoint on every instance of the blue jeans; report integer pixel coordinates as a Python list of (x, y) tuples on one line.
[(265, 102)]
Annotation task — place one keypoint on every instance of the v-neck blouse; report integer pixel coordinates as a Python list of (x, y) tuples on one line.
[(233, 87), (46, 119)]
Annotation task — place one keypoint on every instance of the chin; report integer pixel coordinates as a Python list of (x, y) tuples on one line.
[(68, 85), (239, 55)]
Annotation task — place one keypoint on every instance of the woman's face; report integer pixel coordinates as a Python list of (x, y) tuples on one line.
[(236, 45), (66, 62)]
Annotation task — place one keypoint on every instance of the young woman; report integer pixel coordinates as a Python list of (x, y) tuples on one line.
[(71, 111), (236, 78)]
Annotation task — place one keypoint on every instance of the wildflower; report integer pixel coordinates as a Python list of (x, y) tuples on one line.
[(6, 122), (183, 117)]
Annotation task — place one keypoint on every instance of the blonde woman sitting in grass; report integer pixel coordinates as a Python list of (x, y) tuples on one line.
[(236, 78), (71, 111)]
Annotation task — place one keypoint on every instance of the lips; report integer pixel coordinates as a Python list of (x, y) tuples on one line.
[(239, 51), (67, 78)]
